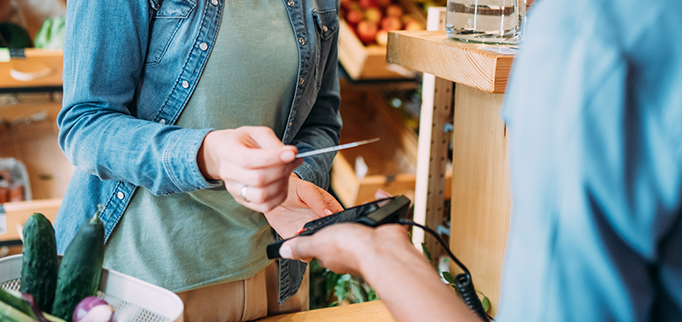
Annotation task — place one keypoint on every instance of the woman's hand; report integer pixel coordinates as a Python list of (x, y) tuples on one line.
[(305, 202), (252, 162)]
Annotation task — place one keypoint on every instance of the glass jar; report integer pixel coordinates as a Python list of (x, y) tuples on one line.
[(498, 22)]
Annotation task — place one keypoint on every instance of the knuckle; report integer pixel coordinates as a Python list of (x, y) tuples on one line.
[(238, 158), (259, 179)]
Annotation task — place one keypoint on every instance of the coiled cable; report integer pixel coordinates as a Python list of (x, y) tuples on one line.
[(463, 281)]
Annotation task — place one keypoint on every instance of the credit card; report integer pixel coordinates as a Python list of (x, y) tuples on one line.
[(336, 148)]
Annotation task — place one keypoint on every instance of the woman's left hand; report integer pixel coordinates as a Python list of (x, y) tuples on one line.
[(305, 202)]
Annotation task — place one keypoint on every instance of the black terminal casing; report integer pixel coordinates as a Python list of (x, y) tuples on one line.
[(373, 214)]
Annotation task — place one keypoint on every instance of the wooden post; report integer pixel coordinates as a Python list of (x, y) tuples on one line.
[(480, 189)]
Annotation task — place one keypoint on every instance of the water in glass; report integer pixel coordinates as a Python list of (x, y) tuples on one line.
[(486, 21)]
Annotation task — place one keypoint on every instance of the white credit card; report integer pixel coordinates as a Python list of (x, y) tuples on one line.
[(336, 148)]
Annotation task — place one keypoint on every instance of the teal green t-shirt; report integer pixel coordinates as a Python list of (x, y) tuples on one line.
[(187, 240)]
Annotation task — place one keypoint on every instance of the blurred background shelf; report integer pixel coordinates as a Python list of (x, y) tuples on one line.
[(370, 111), (28, 133), (36, 61)]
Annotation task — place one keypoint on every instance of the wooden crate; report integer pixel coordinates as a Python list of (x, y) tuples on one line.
[(369, 62), (391, 162)]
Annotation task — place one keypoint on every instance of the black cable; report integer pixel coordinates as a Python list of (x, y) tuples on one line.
[(463, 282)]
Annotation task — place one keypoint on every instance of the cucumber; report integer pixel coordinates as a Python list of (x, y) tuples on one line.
[(14, 308), (81, 268), (39, 265), (11, 300), (9, 313)]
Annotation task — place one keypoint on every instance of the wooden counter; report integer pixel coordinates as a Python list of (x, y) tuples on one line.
[(480, 201), (374, 311), (463, 63)]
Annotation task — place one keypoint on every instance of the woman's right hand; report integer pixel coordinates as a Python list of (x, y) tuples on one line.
[(252, 162)]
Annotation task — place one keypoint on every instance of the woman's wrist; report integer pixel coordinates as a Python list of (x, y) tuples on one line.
[(205, 161)]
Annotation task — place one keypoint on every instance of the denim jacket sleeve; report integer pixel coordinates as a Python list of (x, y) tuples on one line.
[(104, 54)]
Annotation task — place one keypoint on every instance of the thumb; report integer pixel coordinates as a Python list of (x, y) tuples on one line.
[(318, 200), (297, 248), (259, 147)]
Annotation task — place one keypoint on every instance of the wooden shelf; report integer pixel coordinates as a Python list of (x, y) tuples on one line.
[(36, 59), (16, 214), (34, 142), (374, 311), (434, 53)]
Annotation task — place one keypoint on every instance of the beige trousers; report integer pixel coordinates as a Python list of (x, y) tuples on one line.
[(243, 300)]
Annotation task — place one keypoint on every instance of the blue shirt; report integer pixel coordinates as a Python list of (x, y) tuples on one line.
[(594, 114), (129, 69)]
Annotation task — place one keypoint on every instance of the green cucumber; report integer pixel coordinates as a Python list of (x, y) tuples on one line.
[(16, 302), (11, 314), (39, 263), (81, 268)]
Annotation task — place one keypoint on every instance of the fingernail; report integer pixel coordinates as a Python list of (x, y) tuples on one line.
[(287, 156), (285, 252), (328, 212)]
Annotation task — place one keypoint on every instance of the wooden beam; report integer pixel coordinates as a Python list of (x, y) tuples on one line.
[(465, 63), (480, 189)]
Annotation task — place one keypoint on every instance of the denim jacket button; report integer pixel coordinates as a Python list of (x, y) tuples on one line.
[(120, 195), (290, 3), (203, 46), (325, 29), (301, 41), (301, 81), (214, 2), (162, 121), (185, 84)]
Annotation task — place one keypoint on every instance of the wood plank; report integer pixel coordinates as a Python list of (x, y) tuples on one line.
[(480, 189), (433, 158), (36, 59), (433, 52), (374, 311), (16, 213)]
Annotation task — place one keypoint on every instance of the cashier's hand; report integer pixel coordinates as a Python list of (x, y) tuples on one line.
[(305, 202), (252, 162), (344, 248)]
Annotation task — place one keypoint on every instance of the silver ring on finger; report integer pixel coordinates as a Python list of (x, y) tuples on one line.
[(243, 193)]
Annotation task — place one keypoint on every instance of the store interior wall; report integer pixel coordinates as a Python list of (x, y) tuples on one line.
[(30, 14)]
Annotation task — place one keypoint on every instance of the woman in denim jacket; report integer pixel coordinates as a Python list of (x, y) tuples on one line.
[(183, 118)]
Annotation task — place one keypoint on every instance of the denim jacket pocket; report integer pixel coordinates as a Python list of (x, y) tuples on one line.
[(168, 15), (327, 25), (327, 22)]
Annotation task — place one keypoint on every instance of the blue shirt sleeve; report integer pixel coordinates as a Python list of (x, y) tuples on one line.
[(596, 166)]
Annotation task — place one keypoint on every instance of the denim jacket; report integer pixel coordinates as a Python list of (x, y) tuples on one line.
[(130, 66)]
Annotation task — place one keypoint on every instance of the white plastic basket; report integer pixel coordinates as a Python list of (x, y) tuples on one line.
[(133, 300)]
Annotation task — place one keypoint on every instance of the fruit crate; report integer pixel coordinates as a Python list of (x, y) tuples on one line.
[(133, 300), (367, 60)]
